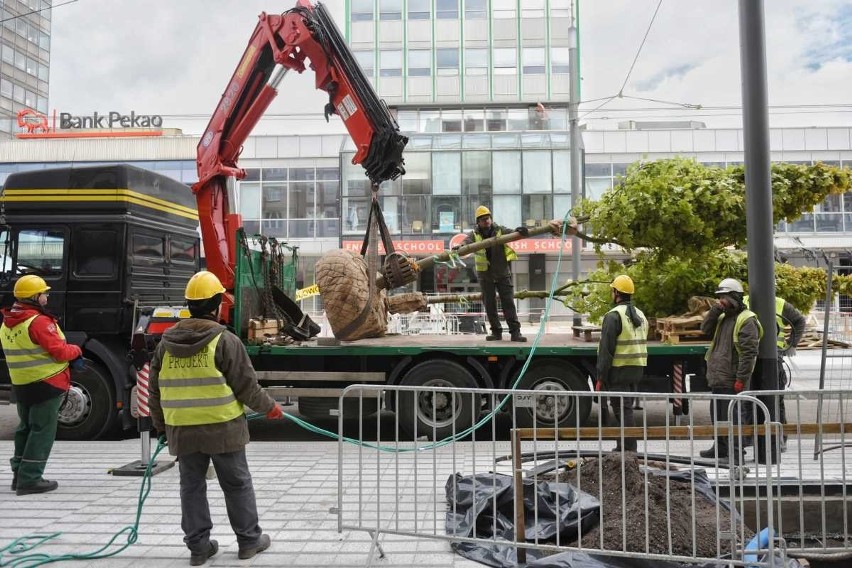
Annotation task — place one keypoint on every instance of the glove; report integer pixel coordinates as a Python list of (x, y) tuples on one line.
[(789, 352), (157, 435), (276, 413), (78, 364), (525, 232), (599, 385), (739, 386), (456, 248)]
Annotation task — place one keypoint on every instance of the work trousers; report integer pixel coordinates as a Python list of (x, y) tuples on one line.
[(719, 413), (235, 480), (622, 409), (34, 439), (502, 285)]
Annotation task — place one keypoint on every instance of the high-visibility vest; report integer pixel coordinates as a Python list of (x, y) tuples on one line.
[(781, 340), (631, 345), (28, 361), (482, 259), (193, 391), (742, 318)]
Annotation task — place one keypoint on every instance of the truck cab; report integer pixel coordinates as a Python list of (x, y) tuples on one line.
[(106, 239)]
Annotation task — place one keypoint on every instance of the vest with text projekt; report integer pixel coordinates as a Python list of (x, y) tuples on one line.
[(193, 391), (481, 258), (631, 345), (28, 361)]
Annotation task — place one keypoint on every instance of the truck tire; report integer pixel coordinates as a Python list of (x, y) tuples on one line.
[(435, 414), (551, 410), (89, 411), (319, 407)]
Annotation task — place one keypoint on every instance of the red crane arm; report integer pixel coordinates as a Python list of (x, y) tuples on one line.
[(301, 37)]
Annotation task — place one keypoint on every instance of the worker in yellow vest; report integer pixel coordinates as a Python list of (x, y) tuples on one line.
[(622, 353), (731, 359), (494, 273), (38, 359), (201, 378)]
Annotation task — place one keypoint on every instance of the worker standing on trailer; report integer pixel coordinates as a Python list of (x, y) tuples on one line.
[(201, 377), (623, 353), (37, 356)]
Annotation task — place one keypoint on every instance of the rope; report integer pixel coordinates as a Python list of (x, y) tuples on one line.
[(17, 554)]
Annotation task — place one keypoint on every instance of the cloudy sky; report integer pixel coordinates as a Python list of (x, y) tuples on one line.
[(174, 57)]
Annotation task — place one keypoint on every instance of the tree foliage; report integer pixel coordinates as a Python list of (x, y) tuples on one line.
[(685, 221)]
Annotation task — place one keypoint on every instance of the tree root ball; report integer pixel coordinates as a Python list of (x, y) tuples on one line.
[(345, 291)]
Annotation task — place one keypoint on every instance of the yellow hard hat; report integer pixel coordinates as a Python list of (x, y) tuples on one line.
[(203, 286), (30, 285), (624, 284), (481, 211)]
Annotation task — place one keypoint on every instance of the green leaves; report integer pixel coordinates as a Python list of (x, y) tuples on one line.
[(685, 220)]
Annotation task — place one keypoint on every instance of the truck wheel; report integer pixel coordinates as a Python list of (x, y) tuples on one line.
[(319, 407), (550, 409), (433, 413), (89, 412)]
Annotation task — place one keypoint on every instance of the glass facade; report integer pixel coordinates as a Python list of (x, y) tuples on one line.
[(24, 60)]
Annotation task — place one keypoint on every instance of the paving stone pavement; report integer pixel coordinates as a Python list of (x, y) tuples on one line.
[(296, 485)]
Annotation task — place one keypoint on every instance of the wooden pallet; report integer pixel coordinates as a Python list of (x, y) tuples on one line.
[(586, 331), (686, 336)]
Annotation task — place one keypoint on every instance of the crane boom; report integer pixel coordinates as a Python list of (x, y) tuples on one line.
[(302, 37)]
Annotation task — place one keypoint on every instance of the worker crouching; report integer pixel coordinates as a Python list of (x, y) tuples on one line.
[(201, 379)]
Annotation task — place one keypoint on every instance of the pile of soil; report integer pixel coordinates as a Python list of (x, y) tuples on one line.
[(675, 516)]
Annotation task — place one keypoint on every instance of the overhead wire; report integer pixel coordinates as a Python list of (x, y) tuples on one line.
[(16, 16)]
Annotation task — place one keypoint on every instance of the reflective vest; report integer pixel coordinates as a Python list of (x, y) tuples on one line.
[(743, 317), (193, 391), (631, 345), (781, 341), (28, 361), (482, 259)]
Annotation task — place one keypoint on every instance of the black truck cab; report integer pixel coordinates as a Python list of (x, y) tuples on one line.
[(106, 239)]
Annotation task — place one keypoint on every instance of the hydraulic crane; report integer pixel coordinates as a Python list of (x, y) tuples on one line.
[(302, 37)]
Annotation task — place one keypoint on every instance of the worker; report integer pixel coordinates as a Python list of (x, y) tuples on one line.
[(494, 272), (38, 359), (785, 313), (200, 380), (622, 353), (731, 359)]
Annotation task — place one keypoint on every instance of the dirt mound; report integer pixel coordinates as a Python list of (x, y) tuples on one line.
[(666, 515)]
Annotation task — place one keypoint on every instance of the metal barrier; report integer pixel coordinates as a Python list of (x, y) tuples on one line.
[(665, 503)]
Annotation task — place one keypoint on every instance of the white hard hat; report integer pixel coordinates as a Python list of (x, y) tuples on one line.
[(729, 285)]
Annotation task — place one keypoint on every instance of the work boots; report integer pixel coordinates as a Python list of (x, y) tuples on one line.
[(518, 338), (200, 558), (495, 336), (249, 551), (40, 486)]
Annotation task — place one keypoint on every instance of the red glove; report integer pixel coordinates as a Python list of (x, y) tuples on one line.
[(598, 385), (275, 413), (739, 386)]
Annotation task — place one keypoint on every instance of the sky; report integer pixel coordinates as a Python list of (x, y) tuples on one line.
[(174, 58)]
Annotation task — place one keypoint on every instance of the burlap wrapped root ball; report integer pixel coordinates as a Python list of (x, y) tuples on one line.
[(407, 303), (345, 290)]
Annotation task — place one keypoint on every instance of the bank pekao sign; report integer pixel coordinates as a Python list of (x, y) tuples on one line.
[(34, 124)]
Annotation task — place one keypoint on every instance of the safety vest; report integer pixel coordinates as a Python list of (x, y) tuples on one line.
[(28, 361), (631, 345), (193, 391), (742, 318), (482, 259), (781, 340)]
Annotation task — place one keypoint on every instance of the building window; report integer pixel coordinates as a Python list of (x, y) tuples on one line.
[(362, 10), (367, 61), (447, 9), (390, 10), (533, 58), (420, 63), (559, 60), (18, 93), (446, 173), (475, 9), (419, 9), (391, 63), (537, 172), (504, 9), (476, 61), (532, 9), (451, 121), (474, 120), (505, 61), (560, 8), (507, 172), (407, 120), (6, 88), (448, 61), (8, 54)]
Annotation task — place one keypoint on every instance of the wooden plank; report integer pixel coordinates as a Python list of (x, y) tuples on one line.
[(675, 432)]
